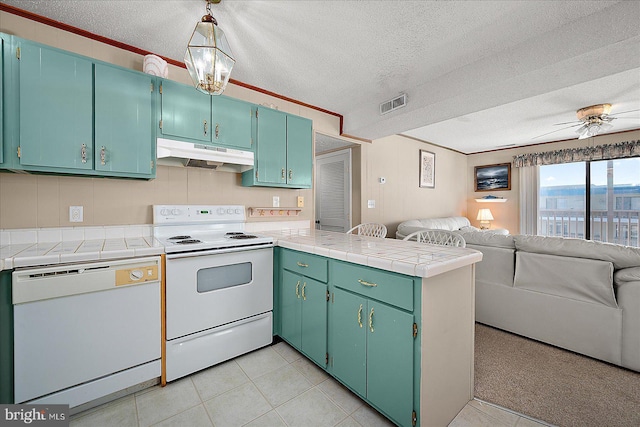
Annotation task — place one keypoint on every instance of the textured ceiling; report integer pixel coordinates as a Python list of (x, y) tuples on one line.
[(478, 74)]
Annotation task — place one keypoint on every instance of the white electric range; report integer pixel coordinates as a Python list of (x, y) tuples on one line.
[(219, 285)]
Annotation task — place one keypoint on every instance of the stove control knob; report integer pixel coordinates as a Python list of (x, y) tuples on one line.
[(165, 212), (238, 211), (175, 212), (220, 211), (229, 211)]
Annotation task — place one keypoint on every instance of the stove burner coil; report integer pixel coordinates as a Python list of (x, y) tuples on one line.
[(188, 241), (179, 238), (242, 236)]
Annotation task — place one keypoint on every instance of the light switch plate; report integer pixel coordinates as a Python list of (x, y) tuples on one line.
[(371, 204), (76, 214), (301, 201)]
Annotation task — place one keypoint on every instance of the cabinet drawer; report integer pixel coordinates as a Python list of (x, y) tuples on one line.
[(392, 288), (306, 264)]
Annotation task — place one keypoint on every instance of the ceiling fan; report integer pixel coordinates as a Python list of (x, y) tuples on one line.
[(591, 121)]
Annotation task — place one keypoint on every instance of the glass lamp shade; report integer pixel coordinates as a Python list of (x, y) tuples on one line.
[(208, 57)]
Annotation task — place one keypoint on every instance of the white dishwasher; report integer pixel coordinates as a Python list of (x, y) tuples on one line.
[(84, 331)]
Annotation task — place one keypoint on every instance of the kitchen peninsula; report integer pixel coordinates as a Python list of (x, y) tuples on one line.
[(393, 320)]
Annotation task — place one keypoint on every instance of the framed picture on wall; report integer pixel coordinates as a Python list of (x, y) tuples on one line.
[(493, 177), (427, 169)]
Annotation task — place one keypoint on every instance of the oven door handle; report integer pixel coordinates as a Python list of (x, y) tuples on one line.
[(217, 251)]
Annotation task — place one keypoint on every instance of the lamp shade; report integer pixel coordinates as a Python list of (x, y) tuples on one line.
[(208, 57), (484, 215)]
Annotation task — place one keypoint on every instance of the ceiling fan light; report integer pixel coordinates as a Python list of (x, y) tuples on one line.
[(208, 58), (604, 126)]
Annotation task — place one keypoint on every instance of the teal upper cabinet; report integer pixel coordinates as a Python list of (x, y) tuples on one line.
[(56, 108), (283, 151), (231, 125), (75, 115), (299, 154), (185, 112), (124, 121), (271, 150)]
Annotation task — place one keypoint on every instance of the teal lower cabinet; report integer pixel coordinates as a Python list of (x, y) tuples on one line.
[(304, 315), (372, 352), (403, 344), (6, 338), (373, 337), (302, 307)]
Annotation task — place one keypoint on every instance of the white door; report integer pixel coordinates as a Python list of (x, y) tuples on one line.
[(333, 191)]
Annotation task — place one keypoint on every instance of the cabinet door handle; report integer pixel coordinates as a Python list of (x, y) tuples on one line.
[(103, 155), (83, 153), (206, 128), (300, 264), (290, 174), (365, 283), (298, 289), (371, 320), (217, 130), (304, 297), (283, 173), (360, 316)]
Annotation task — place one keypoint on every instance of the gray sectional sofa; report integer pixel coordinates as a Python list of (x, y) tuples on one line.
[(580, 295), (451, 223)]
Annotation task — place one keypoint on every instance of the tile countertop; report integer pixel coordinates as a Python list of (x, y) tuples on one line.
[(411, 258), (36, 247), (406, 257)]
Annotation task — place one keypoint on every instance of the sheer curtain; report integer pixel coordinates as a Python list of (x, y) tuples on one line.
[(529, 199)]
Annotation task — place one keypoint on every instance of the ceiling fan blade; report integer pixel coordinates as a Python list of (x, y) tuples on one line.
[(566, 123), (582, 131), (557, 130), (623, 112)]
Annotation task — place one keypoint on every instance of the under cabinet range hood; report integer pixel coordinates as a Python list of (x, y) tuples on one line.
[(178, 153)]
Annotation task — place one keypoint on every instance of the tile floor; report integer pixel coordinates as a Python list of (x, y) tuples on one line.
[(273, 386)]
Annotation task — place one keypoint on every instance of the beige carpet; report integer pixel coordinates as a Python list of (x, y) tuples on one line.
[(554, 385)]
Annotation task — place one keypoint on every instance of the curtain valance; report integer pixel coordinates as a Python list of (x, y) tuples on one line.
[(568, 155)]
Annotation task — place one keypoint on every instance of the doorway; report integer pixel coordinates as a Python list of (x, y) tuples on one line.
[(333, 191)]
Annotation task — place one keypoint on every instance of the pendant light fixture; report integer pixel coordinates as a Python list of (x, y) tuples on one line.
[(208, 57)]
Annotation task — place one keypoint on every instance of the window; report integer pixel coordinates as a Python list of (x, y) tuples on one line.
[(613, 199)]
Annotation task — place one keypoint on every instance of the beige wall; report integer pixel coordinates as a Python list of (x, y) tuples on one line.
[(28, 201), (396, 158), (507, 215)]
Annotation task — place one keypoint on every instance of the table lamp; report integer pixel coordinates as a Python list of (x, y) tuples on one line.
[(485, 218)]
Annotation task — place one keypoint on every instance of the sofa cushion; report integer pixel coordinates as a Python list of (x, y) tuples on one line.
[(486, 238), (620, 256), (448, 223), (631, 274), (587, 280), (497, 266)]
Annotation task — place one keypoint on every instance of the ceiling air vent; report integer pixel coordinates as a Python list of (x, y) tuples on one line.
[(393, 104)]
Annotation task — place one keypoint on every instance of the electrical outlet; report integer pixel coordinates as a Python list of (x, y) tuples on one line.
[(276, 201), (371, 204), (76, 214), (301, 201)]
